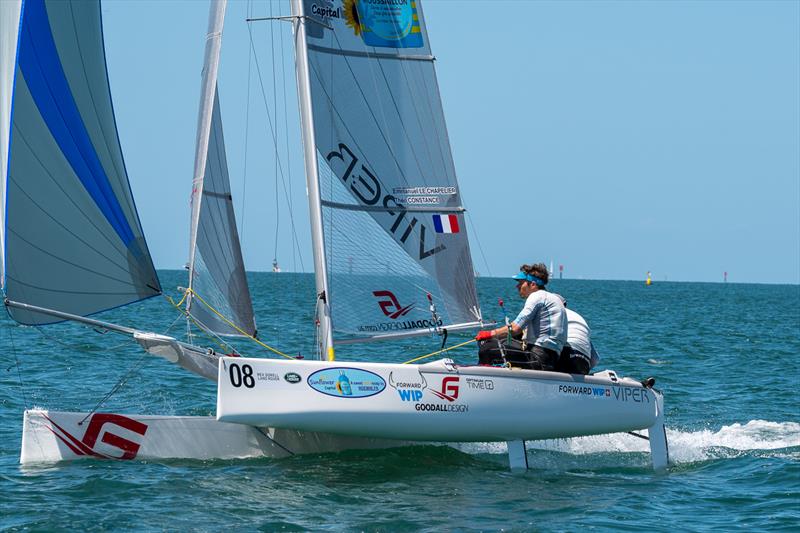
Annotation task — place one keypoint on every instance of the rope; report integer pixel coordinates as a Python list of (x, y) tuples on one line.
[(192, 320), (179, 304), (439, 351), (234, 326), (134, 368), (270, 348)]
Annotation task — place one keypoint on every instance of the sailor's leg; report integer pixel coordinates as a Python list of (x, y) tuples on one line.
[(657, 433), (517, 455)]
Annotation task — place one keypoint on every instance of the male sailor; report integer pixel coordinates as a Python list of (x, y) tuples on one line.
[(578, 355), (542, 323)]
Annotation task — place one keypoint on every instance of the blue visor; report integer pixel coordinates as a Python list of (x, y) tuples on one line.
[(528, 277)]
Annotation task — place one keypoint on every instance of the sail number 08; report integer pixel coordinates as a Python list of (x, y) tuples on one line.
[(242, 376)]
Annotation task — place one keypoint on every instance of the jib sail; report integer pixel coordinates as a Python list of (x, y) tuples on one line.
[(216, 269)]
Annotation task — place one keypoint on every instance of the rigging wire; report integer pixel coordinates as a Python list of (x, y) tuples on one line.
[(263, 431), (274, 350), (16, 363), (120, 383), (437, 352), (177, 319), (275, 112), (272, 131), (478, 242), (295, 249), (246, 130), (231, 324), (190, 319)]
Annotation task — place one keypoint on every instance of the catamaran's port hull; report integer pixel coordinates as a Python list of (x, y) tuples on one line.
[(437, 401), (53, 436)]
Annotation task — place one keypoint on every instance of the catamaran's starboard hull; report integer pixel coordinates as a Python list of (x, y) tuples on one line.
[(437, 401), (52, 436)]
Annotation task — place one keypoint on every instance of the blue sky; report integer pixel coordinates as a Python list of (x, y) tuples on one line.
[(611, 137)]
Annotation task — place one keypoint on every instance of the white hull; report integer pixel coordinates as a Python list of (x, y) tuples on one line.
[(52, 436), (437, 401)]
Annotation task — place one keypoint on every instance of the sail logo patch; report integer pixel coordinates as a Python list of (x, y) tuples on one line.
[(390, 306), (445, 223), (389, 24), (98, 426), (346, 382)]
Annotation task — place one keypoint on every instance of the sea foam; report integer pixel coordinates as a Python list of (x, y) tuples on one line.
[(684, 446)]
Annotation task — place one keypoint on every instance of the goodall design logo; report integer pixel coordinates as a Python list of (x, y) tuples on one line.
[(449, 390), (390, 306), (96, 428)]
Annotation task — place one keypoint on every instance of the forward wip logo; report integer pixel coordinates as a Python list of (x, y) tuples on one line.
[(449, 390), (98, 426), (390, 306)]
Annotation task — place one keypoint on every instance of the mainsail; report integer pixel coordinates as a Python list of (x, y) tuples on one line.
[(391, 211), (72, 240), (219, 298)]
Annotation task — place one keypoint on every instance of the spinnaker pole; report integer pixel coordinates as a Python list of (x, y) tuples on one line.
[(312, 181)]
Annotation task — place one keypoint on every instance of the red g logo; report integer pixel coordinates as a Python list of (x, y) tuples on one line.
[(449, 390), (98, 425), (390, 306), (128, 447)]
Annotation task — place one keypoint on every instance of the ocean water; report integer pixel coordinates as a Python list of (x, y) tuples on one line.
[(725, 355)]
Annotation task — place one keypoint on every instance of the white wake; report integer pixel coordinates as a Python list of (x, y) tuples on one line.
[(684, 446)]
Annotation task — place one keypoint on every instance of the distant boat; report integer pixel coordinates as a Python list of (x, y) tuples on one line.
[(275, 267)]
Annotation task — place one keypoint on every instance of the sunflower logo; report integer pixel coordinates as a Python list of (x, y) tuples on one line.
[(351, 15)]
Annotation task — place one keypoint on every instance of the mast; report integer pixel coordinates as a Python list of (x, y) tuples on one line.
[(312, 181), (216, 18)]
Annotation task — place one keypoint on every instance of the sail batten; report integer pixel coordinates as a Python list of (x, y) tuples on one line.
[(219, 299), (368, 54), (394, 231), (68, 207), (380, 208)]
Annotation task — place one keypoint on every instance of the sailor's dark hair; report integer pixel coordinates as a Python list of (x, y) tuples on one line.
[(539, 270)]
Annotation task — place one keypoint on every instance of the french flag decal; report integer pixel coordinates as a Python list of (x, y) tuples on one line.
[(445, 223)]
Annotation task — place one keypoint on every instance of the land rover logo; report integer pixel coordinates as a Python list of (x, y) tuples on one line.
[(291, 377)]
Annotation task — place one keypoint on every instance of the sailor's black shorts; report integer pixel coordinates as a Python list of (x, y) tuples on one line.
[(512, 352)]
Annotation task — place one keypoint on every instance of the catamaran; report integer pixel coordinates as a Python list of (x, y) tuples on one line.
[(391, 252)]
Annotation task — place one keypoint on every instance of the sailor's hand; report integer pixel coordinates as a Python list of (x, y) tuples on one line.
[(483, 335)]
